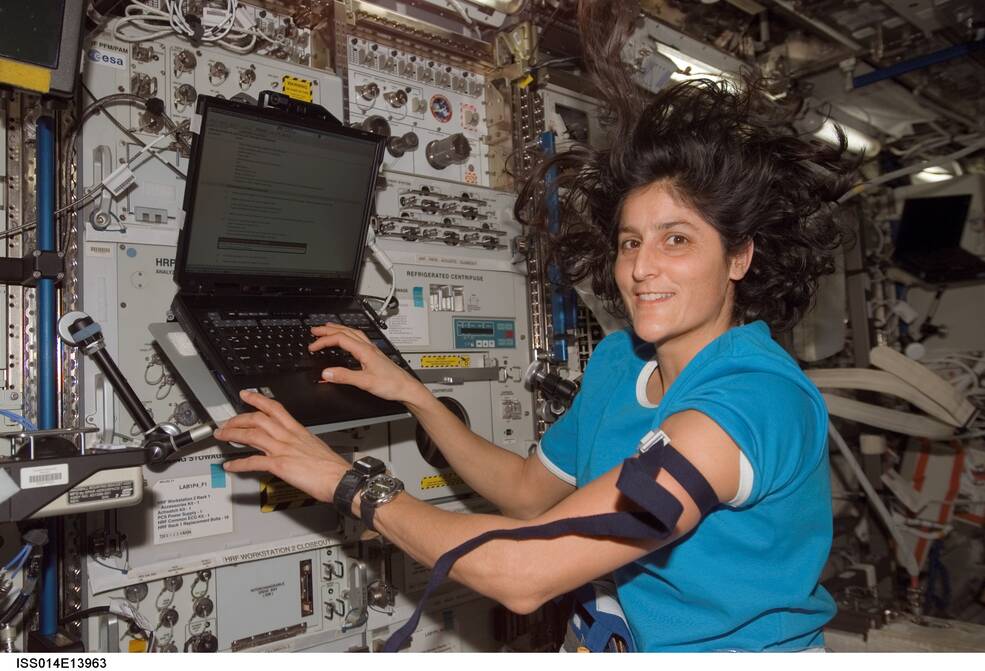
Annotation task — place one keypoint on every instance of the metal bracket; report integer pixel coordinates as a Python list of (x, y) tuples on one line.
[(458, 375), (64, 472), (519, 42), (35, 266)]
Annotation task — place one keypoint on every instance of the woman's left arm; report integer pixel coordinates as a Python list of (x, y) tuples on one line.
[(521, 575)]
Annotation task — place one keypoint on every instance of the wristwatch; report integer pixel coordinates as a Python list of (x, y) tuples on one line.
[(379, 489), (362, 470)]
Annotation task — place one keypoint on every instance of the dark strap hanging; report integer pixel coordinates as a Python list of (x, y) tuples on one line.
[(637, 481)]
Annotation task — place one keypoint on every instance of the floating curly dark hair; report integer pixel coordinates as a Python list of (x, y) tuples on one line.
[(726, 151)]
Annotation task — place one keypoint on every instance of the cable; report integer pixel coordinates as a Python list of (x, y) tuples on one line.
[(83, 614), (389, 297), (157, 23), (83, 200), (230, 32), (384, 307), (97, 105), (909, 170), (458, 7), (387, 264), (74, 205), (23, 421), (905, 553), (130, 98), (27, 589), (126, 559), (18, 559), (15, 607)]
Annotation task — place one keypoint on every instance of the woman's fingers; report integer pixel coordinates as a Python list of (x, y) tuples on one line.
[(271, 408), (249, 464), (358, 347), (332, 329), (253, 437), (356, 378), (259, 420)]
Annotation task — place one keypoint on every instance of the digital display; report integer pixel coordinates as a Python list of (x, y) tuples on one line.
[(485, 333)]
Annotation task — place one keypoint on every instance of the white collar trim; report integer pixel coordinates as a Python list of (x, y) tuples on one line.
[(641, 381)]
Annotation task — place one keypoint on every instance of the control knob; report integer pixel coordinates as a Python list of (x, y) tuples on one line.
[(452, 149), (368, 91), (399, 145), (396, 98), (205, 642)]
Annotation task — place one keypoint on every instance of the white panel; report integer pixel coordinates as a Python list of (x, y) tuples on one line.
[(438, 100)]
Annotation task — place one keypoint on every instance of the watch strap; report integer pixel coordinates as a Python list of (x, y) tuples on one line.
[(346, 491), (367, 511)]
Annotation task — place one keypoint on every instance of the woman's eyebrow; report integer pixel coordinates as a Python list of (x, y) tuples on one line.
[(624, 228), (676, 222)]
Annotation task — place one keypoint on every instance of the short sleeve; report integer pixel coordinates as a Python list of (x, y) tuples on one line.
[(558, 447), (774, 421)]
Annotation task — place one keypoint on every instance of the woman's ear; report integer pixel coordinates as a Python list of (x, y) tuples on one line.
[(740, 261)]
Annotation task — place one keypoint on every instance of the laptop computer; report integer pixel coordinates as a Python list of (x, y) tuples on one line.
[(276, 214), (928, 241)]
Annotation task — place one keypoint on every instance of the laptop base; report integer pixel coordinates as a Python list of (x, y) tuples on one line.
[(186, 362)]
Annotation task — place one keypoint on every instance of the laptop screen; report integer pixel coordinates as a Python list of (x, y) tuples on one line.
[(932, 224), (278, 199)]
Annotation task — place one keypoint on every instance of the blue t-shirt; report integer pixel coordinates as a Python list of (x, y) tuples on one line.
[(747, 577)]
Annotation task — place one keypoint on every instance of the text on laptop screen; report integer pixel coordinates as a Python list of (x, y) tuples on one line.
[(930, 224), (278, 199)]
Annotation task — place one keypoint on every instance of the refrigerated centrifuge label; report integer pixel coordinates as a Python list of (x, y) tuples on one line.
[(409, 326), (192, 507)]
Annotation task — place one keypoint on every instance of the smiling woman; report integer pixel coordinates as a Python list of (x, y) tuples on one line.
[(673, 275), (707, 223), (726, 153)]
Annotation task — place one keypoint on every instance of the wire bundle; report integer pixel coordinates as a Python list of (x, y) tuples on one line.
[(966, 371), (34, 539), (231, 32), (14, 566)]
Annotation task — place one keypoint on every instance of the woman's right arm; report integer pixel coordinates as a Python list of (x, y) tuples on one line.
[(520, 487)]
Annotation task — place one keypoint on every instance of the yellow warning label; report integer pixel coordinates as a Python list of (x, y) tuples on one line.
[(297, 88), (449, 479), (137, 645), (445, 361), (275, 494), (25, 76)]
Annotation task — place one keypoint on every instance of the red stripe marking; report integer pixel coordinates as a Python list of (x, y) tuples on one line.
[(919, 476)]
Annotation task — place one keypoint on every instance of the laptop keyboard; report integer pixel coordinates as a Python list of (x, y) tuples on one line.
[(265, 342)]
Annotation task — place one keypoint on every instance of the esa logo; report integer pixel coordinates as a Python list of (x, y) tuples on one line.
[(101, 57)]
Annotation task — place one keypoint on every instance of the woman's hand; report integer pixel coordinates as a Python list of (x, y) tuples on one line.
[(379, 375), (290, 451)]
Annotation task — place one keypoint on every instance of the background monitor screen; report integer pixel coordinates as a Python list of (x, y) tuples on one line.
[(928, 224), (31, 31)]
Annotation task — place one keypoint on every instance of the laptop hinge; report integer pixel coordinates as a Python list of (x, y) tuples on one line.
[(233, 289)]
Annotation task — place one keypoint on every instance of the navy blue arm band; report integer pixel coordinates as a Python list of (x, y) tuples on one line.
[(659, 514)]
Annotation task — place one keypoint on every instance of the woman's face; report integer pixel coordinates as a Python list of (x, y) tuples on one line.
[(672, 270)]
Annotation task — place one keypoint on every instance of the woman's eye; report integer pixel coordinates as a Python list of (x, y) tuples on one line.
[(627, 245), (676, 240)]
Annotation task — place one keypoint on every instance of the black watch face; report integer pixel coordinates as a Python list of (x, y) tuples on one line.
[(379, 488), (369, 466)]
